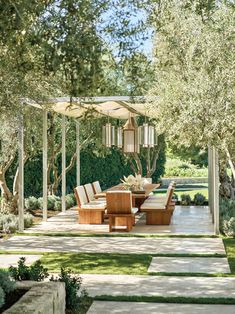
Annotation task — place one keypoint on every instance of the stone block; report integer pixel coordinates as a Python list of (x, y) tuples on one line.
[(41, 298)]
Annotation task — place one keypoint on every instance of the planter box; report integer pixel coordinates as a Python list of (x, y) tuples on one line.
[(41, 298)]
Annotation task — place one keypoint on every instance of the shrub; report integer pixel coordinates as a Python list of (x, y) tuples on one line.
[(185, 199), (28, 220), (72, 286), (229, 226), (2, 297), (70, 200), (8, 223), (199, 199), (6, 285), (31, 203), (51, 200), (175, 197), (34, 272), (227, 217), (58, 205)]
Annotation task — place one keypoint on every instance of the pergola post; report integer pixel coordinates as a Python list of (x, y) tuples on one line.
[(210, 183), (78, 152), (21, 172), (63, 163), (215, 176), (44, 162)]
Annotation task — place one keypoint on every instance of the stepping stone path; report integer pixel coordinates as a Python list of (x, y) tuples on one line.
[(7, 260), (207, 265), (159, 286), (163, 286), (102, 307)]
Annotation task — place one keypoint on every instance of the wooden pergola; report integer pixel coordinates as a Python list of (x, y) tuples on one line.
[(119, 107)]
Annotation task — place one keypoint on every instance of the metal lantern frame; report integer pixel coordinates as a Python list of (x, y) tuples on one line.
[(144, 135)]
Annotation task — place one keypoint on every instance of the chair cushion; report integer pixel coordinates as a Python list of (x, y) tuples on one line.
[(134, 210), (97, 202), (93, 206), (81, 194), (89, 191), (97, 187), (152, 206)]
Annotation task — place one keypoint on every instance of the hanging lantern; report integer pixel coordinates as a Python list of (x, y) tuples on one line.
[(130, 136), (155, 138), (113, 136), (140, 135), (151, 136), (145, 135), (119, 137), (107, 135)]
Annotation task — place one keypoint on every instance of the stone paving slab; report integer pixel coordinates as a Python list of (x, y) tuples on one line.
[(120, 285), (207, 265), (196, 220), (114, 245), (107, 307), (7, 260)]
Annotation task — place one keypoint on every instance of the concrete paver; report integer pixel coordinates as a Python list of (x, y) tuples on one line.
[(7, 260), (107, 307), (114, 245), (207, 265), (120, 285)]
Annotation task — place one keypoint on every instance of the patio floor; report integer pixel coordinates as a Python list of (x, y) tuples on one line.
[(186, 220)]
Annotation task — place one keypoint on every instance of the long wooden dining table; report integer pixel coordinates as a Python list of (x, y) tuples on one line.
[(138, 197)]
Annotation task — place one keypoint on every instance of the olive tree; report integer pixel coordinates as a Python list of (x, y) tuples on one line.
[(194, 99)]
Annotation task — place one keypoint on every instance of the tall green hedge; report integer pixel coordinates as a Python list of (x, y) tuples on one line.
[(108, 169)]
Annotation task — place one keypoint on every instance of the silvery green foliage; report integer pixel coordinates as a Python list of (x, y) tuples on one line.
[(31, 203), (28, 220), (227, 217), (9, 223), (195, 74)]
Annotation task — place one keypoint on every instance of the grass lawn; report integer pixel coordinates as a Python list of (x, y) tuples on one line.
[(127, 264), (229, 244), (190, 190), (98, 263)]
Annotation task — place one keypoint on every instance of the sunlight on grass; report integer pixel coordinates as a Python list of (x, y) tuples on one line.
[(95, 263), (189, 191), (230, 250)]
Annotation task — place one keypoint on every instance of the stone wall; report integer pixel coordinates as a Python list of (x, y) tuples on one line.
[(42, 298)]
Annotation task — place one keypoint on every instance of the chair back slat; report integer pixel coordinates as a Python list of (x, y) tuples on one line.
[(119, 202), (89, 192), (170, 191), (96, 186), (80, 195)]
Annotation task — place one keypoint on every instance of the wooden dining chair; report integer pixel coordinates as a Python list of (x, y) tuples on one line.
[(119, 210), (89, 212), (97, 190)]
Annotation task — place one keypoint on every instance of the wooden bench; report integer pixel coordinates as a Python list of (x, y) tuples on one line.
[(159, 213)]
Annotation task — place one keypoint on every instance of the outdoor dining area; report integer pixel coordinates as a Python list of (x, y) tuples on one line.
[(120, 206)]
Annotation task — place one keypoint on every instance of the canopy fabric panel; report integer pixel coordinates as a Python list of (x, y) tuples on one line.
[(118, 107)]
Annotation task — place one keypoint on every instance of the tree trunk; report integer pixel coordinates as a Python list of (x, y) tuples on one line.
[(137, 160), (225, 183)]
